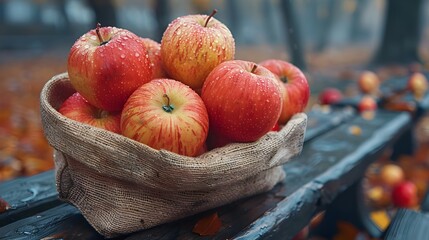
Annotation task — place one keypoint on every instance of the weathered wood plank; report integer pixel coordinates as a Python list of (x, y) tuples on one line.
[(27, 196), (328, 166)]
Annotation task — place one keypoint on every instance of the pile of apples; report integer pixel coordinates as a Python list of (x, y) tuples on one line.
[(186, 94)]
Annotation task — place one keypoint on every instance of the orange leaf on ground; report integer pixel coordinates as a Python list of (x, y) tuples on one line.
[(208, 225)]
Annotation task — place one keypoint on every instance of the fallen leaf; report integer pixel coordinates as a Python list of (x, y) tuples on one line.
[(381, 219), (355, 130), (208, 225), (3, 205)]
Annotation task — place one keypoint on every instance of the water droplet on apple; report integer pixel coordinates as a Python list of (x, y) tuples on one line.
[(137, 55), (125, 38), (146, 56), (86, 46), (93, 38), (122, 56), (241, 71), (120, 49), (267, 101)]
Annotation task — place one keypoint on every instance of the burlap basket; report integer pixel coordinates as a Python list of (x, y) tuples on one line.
[(123, 186)]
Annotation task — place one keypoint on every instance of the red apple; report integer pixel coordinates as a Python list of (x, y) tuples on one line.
[(243, 100), (404, 195), (418, 85), (77, 108), (367, 103), (329, 96), (192, 46), (296, 93), (166, 114), (106, 65), (215, 140), (154, 53), (368, 82)]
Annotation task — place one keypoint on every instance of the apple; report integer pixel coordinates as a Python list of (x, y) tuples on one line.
[(166, 114), (296, 93), (418, 85), (243, 100), (404, 195), (391, 174), (77, 108), (106, 65), (154, 53), (367, 103), (368, 82), (330, 96), (193, 45), (215, 140)]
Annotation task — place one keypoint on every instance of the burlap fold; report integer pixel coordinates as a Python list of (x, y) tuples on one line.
[(123, 186)]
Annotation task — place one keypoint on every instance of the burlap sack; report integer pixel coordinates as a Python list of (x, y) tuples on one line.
[(122, 186)]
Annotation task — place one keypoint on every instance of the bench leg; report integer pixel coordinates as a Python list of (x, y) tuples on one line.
[(350, 207)]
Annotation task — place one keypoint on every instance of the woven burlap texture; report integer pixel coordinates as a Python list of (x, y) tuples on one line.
[(122, 186)]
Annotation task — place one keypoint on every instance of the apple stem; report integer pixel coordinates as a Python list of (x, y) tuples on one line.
[(97, 30), (254, 68), (209, 17), (169, 107)]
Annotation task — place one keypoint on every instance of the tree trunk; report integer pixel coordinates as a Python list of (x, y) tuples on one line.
[(104, 11), (162, 17), (293, 35), (401, 35)]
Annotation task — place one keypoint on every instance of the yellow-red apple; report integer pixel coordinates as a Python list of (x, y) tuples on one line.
[(404, 195), (166, 114), (243, 100), (369, 82), (77, 108), (418, 85), (106, 65), (193, 45), (296, 90), (367, 103)]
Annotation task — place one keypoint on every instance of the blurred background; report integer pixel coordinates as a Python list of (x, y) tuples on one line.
[(330, 40)]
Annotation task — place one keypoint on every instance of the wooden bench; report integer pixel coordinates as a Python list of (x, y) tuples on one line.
[(339, 146)]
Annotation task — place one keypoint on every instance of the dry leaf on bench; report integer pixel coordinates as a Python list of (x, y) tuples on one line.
[(208, 225)]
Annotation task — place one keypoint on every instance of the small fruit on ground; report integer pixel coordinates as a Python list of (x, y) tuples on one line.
[(367, 103), (369, 83), (330, 96), (391, 174), (418, 85)]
